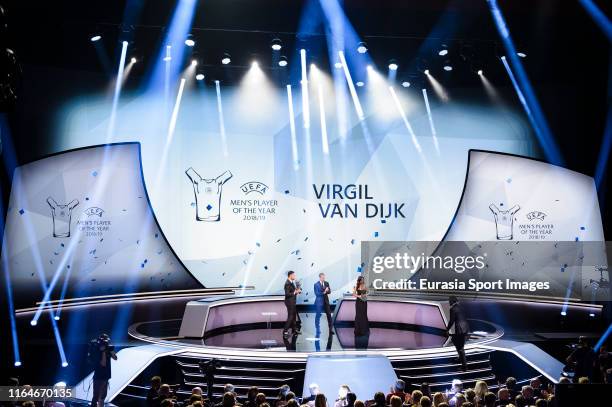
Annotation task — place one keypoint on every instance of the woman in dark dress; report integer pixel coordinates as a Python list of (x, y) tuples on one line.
[(362, 325)]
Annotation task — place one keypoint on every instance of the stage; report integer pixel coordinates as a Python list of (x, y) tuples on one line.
[(258, 354)]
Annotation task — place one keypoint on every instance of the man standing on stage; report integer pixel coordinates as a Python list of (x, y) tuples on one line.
[(462, 329), (321, 289), (291, 292)]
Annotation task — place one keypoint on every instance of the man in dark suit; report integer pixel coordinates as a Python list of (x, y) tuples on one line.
[(291, 293), (462, 329), (322, 290)]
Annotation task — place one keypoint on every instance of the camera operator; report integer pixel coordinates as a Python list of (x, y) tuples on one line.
[(99, 354), (582, 359)]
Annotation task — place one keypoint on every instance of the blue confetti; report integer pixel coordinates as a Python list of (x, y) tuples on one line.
[(501, 204), (95, 173), (509, 180), (383, 221), (87, 198), (192, 204), (582, 228), (359, 269), (265, 267), (352, 241), (141, 265), (577, 238), (61, 244), (209, 207), (156, 235), (375, 234), (257, 244), (286, 191), (21, 211), (146, 261)]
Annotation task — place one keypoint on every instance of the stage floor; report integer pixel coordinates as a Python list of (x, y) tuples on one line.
[(263, 338)]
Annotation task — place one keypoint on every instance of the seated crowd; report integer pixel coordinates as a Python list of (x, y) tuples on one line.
[(507, 395)]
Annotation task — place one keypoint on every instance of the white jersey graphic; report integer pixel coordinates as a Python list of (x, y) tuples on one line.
[(62, 216), (504, 221), (207, 195)]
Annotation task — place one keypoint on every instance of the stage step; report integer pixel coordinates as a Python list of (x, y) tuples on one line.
[(267, 375), (439, 372)]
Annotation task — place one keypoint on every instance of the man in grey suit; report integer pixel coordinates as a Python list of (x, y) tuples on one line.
[(322, 290)]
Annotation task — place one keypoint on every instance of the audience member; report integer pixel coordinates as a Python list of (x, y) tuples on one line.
[(470, 395), (480, 389), (395, 401), (541, 403), (415, 397), (260, 400), (425, 402), (321, 400), (314, 390), (397, 390), (250, 397), (527, 393), (511, 386), (153, 392), (488, 400), (439, 398), (503, 397), (458, 400), (536, 384)]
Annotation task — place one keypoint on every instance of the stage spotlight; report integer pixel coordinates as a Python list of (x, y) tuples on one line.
[(64, 364), (276, 44), (592, 315), (194, 62), (426, 72), (167, 58), (443, 50), (189, 42), (521, 54), (133, 60), (362, 48), (406, 84), (226, 59), (480, 72), (95, 38), (338, 65), (563, 313), (393, 65), (57, 318), (33, 322), (17, 364), (448, 68), (60, 384), (254, 64), (199, 77), (282, 61), (369, 68), (359, 84)]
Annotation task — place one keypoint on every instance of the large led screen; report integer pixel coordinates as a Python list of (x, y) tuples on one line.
[(80, 224)]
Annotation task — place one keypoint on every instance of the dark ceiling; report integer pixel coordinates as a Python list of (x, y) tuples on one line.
[(568, 59)]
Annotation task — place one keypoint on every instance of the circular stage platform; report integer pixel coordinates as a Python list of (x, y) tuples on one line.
[(382, 337)]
